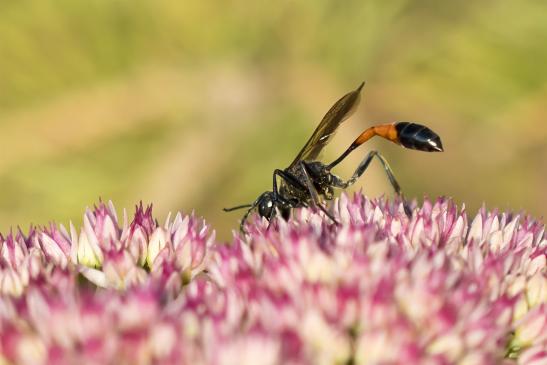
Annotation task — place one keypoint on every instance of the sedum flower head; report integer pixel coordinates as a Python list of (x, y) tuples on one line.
[(381, 288)]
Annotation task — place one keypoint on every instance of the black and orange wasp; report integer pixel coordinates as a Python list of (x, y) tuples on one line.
[(306, 180)]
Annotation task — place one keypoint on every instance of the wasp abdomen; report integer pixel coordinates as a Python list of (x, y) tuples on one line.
[(418, 137)]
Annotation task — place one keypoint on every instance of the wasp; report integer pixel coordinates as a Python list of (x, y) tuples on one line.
[(306, 181)]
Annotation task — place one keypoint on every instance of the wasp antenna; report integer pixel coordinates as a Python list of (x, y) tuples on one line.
[(237, 207)]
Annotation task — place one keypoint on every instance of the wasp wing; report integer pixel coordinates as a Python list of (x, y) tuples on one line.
[(339, 112)]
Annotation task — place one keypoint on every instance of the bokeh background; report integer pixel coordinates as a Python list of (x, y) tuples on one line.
[(192, 104)]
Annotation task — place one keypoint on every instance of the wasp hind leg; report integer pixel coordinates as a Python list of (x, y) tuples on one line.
[(360, 170)]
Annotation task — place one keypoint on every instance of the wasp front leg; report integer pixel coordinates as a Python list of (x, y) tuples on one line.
[(313, 191)]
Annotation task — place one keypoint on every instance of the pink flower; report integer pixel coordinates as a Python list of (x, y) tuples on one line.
[(437, 288), (137, 235)]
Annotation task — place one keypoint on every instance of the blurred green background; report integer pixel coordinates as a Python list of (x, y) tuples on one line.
[(191, 105)]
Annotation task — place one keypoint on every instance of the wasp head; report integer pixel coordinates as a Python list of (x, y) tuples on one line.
[(269, 202)]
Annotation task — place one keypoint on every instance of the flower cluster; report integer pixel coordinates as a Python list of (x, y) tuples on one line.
[(379, 288), (106, 253)]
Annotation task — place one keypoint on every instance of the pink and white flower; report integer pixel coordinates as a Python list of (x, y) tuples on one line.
[(437, 288)]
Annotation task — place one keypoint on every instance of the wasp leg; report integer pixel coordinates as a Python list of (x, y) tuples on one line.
[(360, 170), (246, 215), (288, 202), (289, 179), (313, 192), (270, 219)]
